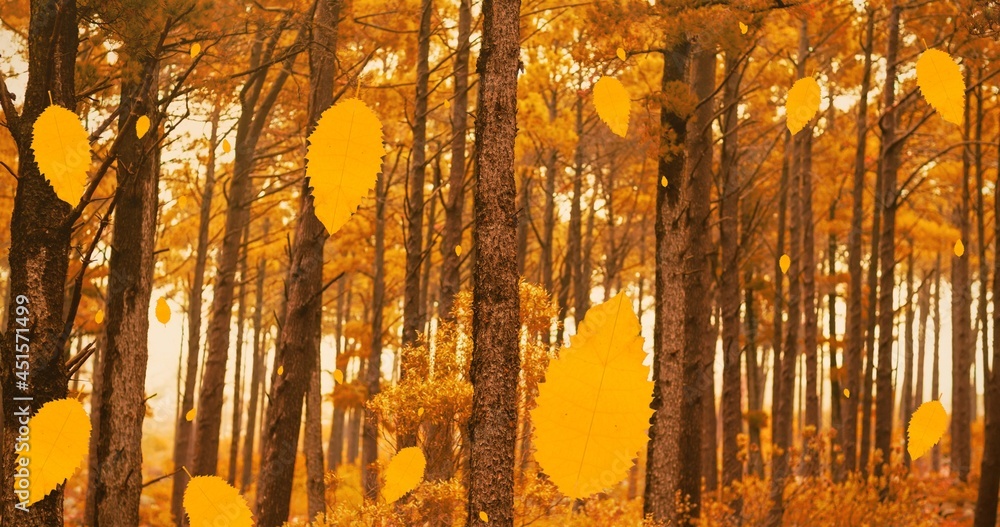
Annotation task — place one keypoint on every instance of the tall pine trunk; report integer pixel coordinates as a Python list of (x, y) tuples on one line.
[(495, 306), (238, 380), (312, 444), (257, 371), (961, 339), (936, 360), (372, 372)]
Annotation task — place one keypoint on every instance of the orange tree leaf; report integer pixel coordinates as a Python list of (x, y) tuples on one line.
[(60, 432), (941, 83), (404, 473), (612, 103), (926, 428), (62, 151), (802, 104)]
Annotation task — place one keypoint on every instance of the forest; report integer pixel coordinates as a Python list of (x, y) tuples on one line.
[(574, 263)]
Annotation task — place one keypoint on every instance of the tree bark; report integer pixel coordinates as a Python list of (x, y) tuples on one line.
[(39, 250), (297, 347), (257, 372), (335, 446), (936, 362), (130, 284), (373, 370), (238, 380), (961, 326), (906, 397), (495, 320), (183, 430), (809, 304), (451, 238), (835, 371), (924, 307), (312, 444)]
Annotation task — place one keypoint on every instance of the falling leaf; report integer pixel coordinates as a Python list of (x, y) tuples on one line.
[(141, 126), (612, 103), (959, 248), (404, 473), (593, 408), (926, 428), (847, 393), (338, 376), (458, 250), (483, 516), (57, 446), (99, 316), (784, 262), (162, 310), (420, 412), (195, 49), (190, 414), (802, 104), (941, 83), (281, 370), (210, 501), (62, 151), (447, 104), (663, 181), (621, 53), (182, 201), (743, 28), (226, 147), (343, 160)]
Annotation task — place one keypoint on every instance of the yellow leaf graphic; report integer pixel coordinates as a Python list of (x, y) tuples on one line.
[(343, 161), (483, 516), (281, 370), (195, 49), (847, 393), (743, 28), (141, 126), (593, 408), (784, 262), (210, 501), (99, 316), (60, 432), (162, 310), (663, 181), (926, 428), (62, 152), (621, 54), (612, 103), (190, 414), (941, 83), (959, 248), (420, 412), (338, 376), (404, 473), (458, 250), (802, 104), (226, 147)]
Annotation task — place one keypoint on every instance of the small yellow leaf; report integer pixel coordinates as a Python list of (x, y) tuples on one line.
[(343, 160), (621, 53), (802, 104), (404, 473), (99, 316), (743, 28), (141, 126), (62, 151), (420, 412), (338, 376), (447, 104), (210, 501), (593, 409), (190, 414), (784, 262), (663, 181), (195, 49), (483, 516), (162, 310), (182, 201), (847, 393), (926, 428), (959, 248), (226, 147), (281, 370), (942, 85), (612, 103), (57, 445), (458, 250)]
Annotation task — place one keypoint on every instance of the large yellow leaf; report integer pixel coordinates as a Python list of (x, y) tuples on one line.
[(593, 408), (802, 104), (210, 501), (404, 473), (62, 152), (57, 445), (343, 160), (941, 83), (926, 428), (162, 310), (612, 103)]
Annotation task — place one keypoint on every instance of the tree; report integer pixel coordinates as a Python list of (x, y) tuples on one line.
[(495, 324)]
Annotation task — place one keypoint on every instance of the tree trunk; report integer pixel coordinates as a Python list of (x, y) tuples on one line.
[(495, 305), (130, 284), (93, 469), (906, 397), (249, 126), (238, 380), (257, 373), (313, 443), (984, 274), (891, 147), (39, 252), (809, 303), (574, 241), (835, 370), (924, 307), (183, 430), (451, 238), (373, 370), (873, 285), (663, 454), (335, 446), (936, 362), (961, 327)]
